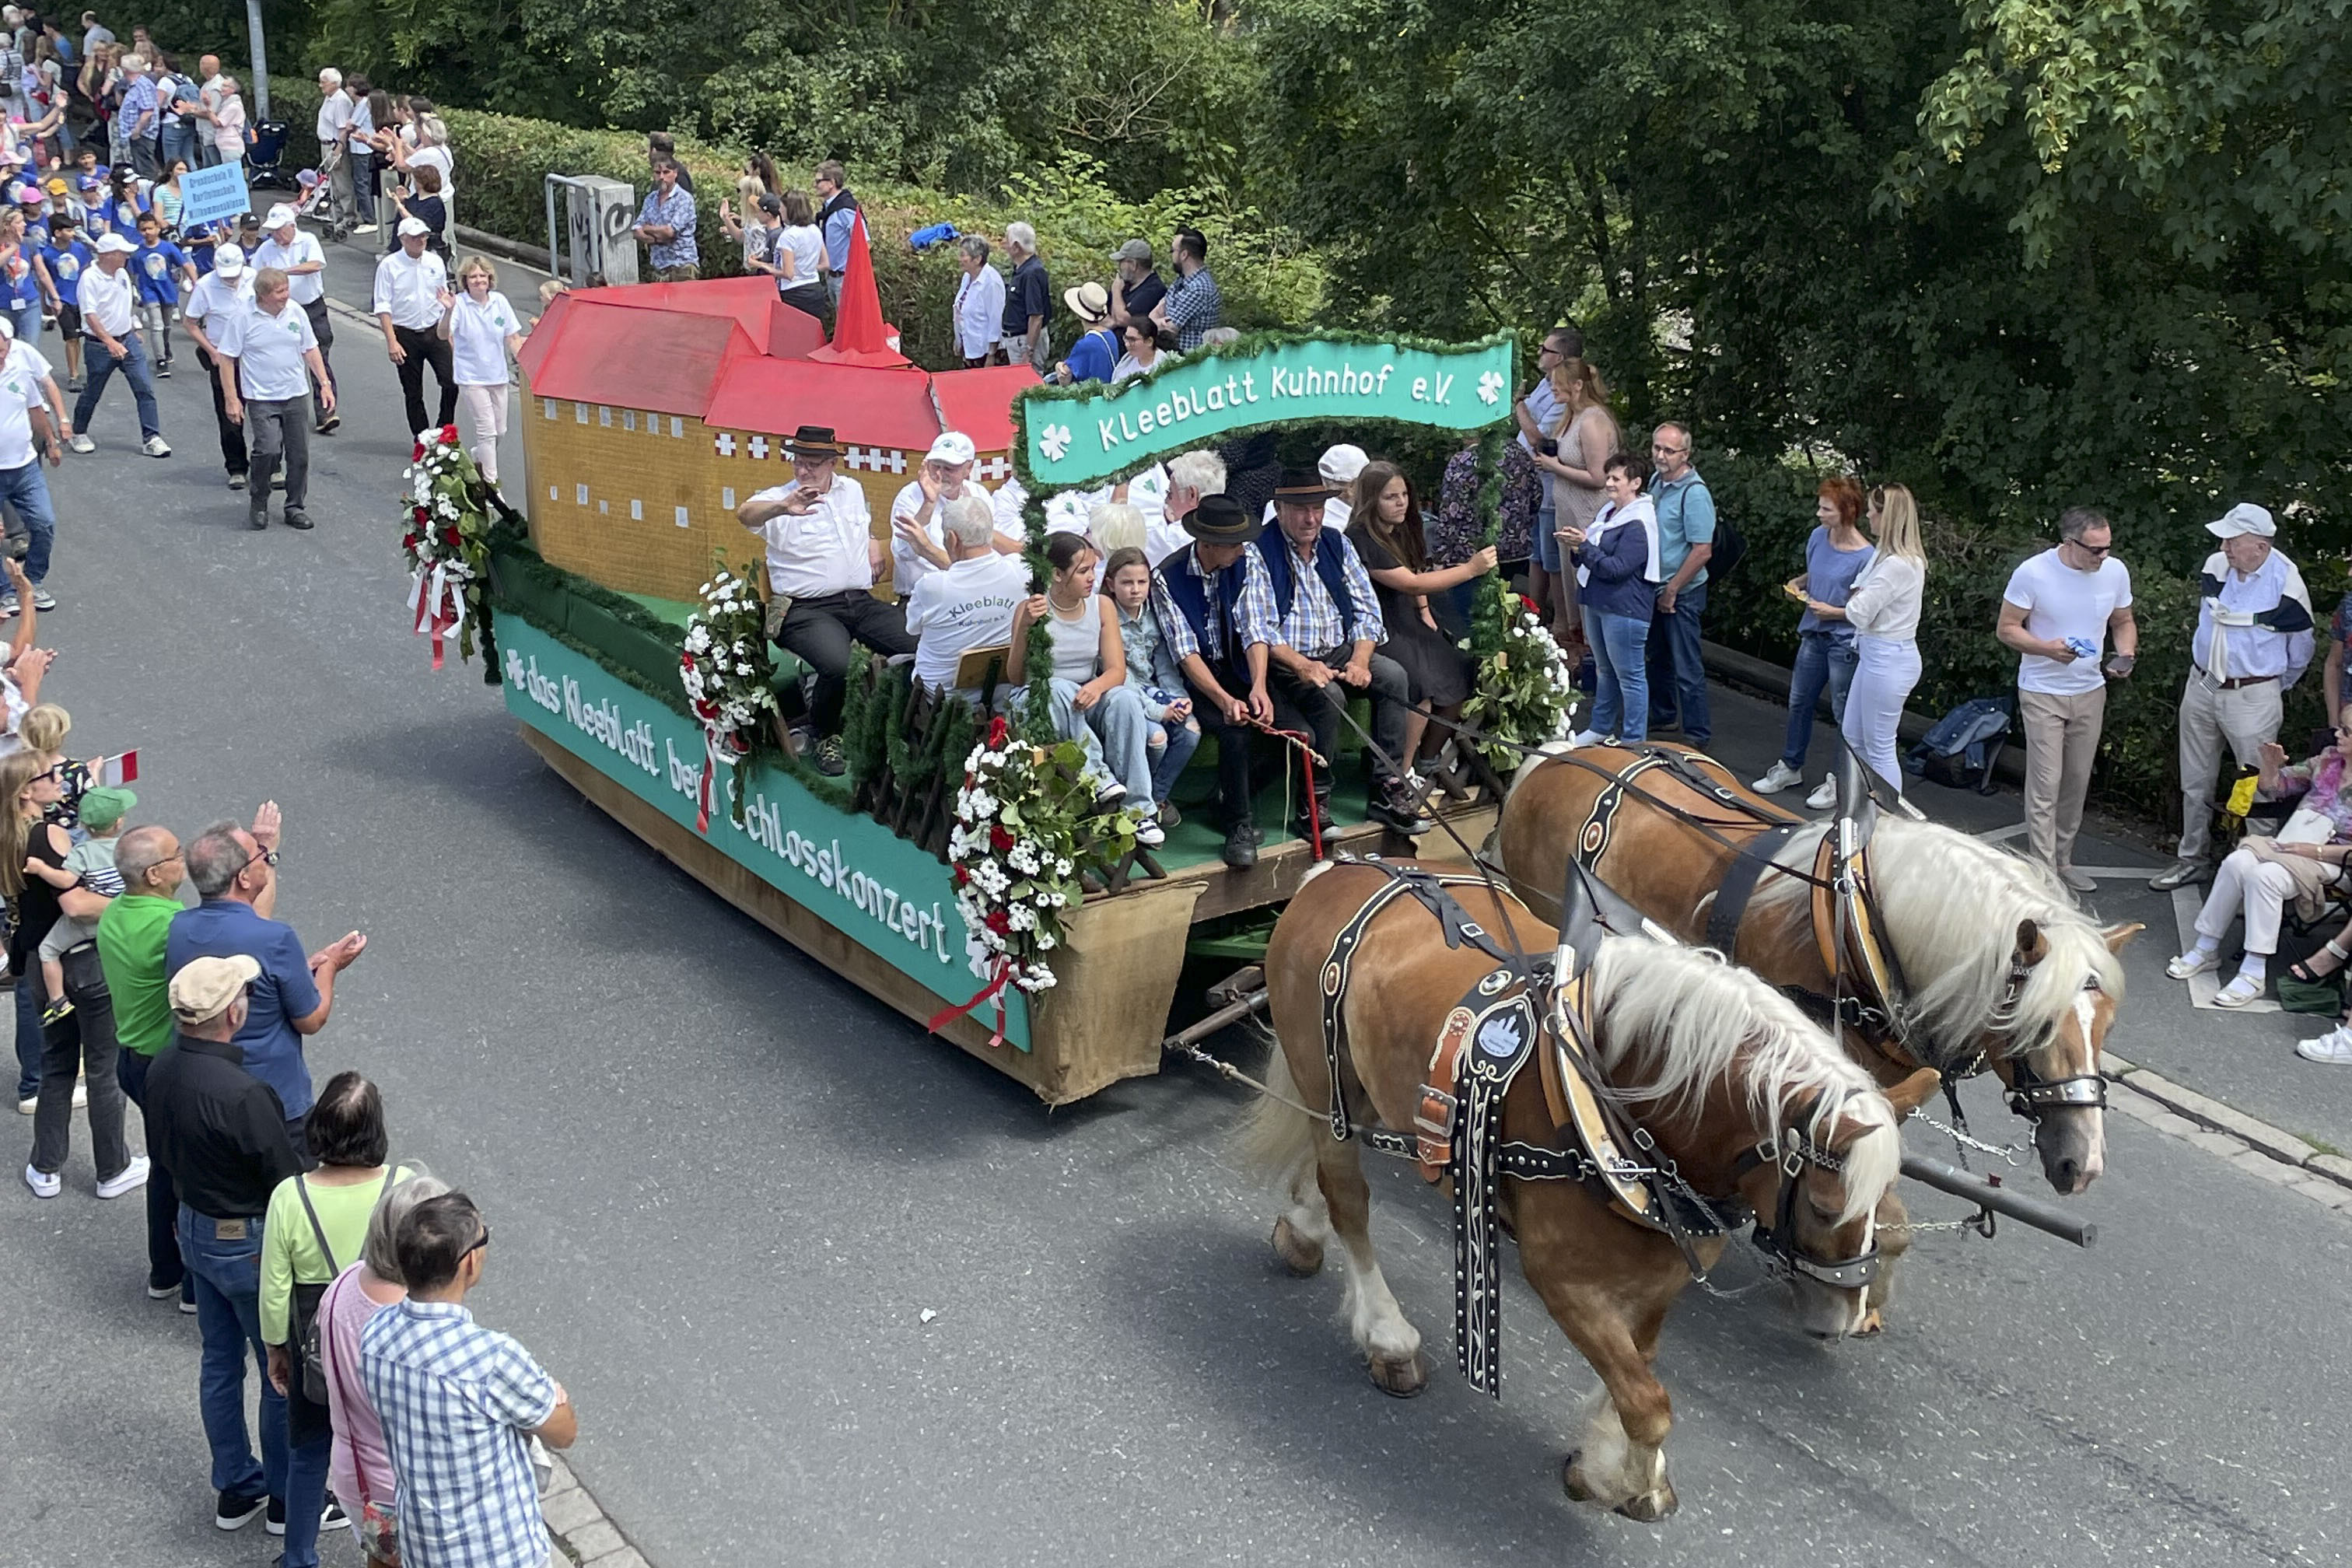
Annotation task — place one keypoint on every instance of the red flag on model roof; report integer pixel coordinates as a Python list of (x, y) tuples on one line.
[(860, 336)]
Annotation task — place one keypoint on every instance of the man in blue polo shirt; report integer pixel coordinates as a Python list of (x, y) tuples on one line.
[(1686, 542), (233, 870)]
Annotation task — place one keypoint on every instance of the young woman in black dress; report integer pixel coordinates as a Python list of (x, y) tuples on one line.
[(1386, 532)]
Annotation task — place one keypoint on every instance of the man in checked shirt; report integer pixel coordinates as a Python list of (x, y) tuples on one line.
[(1327, 624)]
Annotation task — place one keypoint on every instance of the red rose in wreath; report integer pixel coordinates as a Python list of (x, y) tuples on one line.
[(999, 923), (998, 839)]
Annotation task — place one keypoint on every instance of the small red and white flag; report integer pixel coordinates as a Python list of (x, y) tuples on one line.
[(118, 771)]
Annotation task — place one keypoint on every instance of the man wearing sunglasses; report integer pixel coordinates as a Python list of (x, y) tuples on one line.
[(458, 1402), (234, 871), (2058, 612)]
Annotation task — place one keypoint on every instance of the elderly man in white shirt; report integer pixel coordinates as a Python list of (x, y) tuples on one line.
[(300, 256), (109, 301), (264, 349), (918, 539), (336, 112), (2253, 641), (218, 293), (979, 301), (969, 603), (412, 291), (823, 559)]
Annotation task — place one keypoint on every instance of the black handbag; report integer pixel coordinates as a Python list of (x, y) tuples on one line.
[(311, 1377)]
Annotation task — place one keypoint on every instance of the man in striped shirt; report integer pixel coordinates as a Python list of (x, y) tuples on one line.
[(458, 1402)]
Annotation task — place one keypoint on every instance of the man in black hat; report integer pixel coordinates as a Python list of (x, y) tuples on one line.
[(1327, 624), (822, 561), (1215, 607)]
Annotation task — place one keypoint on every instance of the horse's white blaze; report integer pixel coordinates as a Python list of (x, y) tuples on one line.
[(1374, 1318)]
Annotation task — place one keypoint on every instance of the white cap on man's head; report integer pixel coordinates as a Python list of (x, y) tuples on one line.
[(952, 446), (228, 260), (279, 217), (415, 225), (2243, 517), (1340, 464), (114, 245)]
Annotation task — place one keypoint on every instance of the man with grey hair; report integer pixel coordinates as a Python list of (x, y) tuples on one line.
[(979, 303), (142, 115), (1191, 476), (264, 349), (235, 874), (970, 602), (1028, 302), (2057, 612), (336, 113)]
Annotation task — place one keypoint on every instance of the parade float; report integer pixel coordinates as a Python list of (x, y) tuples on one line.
[(957, 872)]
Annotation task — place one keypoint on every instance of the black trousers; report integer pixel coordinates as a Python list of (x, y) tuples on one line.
[(163, 1268), (1235, 798), (1317, 710), (322, 327), (232, 437), (423, 347), (819, 631)]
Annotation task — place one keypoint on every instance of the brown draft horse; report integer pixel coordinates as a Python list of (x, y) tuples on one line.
[(1707, 1058), (2002, 966)]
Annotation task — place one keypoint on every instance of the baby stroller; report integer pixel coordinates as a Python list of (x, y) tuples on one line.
[(265, 158)]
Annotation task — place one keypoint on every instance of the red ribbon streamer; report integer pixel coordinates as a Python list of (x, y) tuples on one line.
[(992, 991), (710, 772)]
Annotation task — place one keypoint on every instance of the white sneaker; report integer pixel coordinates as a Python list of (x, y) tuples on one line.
[(1777, 777), (2334, 1048), (82, 1095), (132, 1177), (1824, 796), (44, 1187), (156, 446), (2194, 962), (82, 444), (363, 229), (1148, 833), (1584, 738)]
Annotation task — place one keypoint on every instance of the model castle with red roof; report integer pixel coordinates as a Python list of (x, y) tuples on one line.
[(650, 412)]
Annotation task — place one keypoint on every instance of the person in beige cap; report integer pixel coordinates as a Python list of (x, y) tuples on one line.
[(221, 1133), (1096, 352), (1137, 288), (2253, 640)]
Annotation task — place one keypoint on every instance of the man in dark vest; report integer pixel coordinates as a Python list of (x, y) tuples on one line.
[(1215, 609), (1327, 624)]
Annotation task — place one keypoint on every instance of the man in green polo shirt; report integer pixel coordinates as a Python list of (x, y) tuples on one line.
[(131, 937)]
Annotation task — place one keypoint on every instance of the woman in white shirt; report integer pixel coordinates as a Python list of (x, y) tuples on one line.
[(799, 257), (1883, 610), (482, 329)]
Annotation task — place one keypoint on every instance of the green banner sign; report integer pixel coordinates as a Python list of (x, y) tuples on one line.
[(844, 868), (1113, 430)]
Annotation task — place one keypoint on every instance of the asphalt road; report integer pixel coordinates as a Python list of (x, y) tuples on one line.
[(725, 1186)]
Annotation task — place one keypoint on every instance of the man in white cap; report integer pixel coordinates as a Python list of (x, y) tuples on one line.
[(412, 293), (2253, 641), (304, 261), (218, 294), (917, 537), (264, 349), (221, 1133), (31, 415), (107, 298), (1340, 465)]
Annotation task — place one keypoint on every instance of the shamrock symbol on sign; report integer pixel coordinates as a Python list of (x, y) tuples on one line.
[(1490, 387), (1053, 440)]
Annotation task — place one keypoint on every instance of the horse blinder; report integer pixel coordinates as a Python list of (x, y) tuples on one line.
[(1791, 1152)]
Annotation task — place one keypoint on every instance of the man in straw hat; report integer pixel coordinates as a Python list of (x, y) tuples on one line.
[(1215, 607), (1327, 628), (221, 1133), (823, 559)]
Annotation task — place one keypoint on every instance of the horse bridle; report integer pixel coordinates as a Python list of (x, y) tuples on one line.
[(2029, 1094), (1791, 1150)]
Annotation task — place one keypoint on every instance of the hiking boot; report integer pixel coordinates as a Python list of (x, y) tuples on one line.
[(830, 762)]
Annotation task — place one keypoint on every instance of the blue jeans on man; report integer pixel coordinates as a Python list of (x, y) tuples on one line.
[(1676, 674), (135, 370), (1620, 697), (26, 493), (228, 1271), (1824, 660)]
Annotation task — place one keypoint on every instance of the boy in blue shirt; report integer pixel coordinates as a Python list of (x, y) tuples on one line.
[(61, 263), (158, 266)]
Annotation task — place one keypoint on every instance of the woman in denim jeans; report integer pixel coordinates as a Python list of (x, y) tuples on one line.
[(1835, 556), (1617, 575)]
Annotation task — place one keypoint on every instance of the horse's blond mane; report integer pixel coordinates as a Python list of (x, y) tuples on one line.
[(1672, 1021), (1953, 905)]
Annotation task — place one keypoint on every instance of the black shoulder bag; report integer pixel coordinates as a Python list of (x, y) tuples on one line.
[(311, 1377)]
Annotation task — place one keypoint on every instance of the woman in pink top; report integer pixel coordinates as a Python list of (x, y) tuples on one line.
[(358, 1468)]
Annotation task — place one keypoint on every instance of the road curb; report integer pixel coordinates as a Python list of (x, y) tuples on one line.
[(2254, 1146), (582, 1533)]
